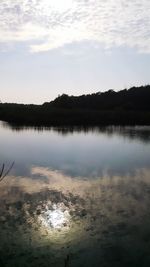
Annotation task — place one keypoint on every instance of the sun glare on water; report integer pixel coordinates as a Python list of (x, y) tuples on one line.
[(55, 218)]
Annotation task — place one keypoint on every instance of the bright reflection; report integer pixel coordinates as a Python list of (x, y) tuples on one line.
[(55, 218)]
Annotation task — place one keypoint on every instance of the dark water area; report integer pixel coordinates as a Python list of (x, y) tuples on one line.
[(75, 196)]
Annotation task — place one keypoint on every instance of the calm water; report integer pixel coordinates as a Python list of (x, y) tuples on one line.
[(78, 153), (75, 197)]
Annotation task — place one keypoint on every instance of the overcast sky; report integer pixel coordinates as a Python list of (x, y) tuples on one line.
[(50, 47)]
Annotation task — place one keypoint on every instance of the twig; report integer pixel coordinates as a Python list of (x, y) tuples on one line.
[(1, 173), (67, 261), (4, 173)]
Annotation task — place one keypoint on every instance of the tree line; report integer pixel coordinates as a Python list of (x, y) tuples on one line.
[(126, 107)]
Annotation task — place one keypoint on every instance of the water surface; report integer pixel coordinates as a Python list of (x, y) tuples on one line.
[(76, 152), (75, 196)]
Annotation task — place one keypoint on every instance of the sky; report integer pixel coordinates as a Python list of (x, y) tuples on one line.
[(51, 47)]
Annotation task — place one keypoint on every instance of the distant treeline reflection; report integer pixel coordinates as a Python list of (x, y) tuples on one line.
[(126, 107), (141, 133)]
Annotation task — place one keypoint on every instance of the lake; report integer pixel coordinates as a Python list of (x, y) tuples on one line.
[(75, 196)]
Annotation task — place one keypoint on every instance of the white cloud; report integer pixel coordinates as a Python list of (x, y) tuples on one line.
[(49, 24)]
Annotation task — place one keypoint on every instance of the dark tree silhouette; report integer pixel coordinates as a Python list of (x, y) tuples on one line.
[(126, 107)]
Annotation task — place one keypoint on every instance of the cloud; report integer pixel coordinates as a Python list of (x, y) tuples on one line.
[(50, 24)]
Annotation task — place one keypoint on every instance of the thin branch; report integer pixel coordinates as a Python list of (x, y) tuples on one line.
[(2, 170), (2, 174)]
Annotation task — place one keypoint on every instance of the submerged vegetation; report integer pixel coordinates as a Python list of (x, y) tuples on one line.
[(108, 223), (126, 107)]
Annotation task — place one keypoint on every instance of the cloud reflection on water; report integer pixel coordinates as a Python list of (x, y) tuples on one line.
[(84, 152), (106, 213)]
